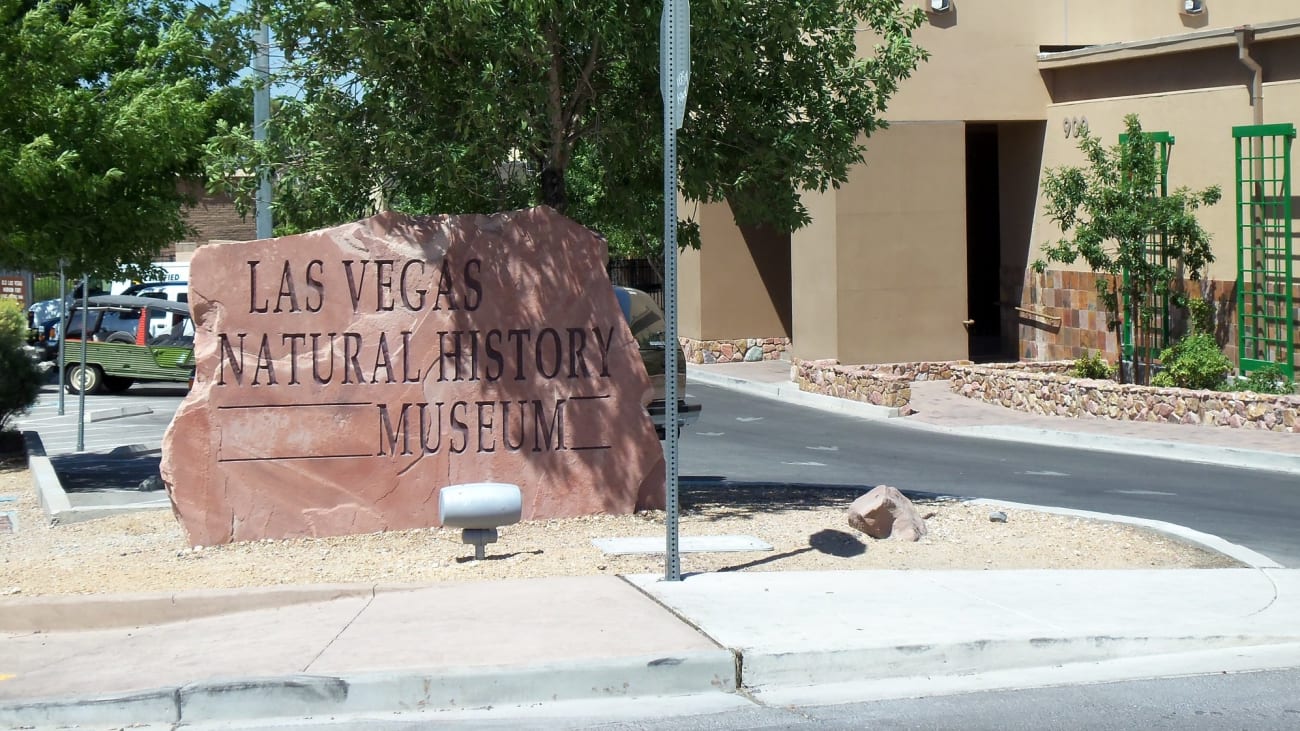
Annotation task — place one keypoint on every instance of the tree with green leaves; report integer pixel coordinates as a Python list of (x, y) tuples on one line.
[(104, 108), (483, 106), (1111, 214)]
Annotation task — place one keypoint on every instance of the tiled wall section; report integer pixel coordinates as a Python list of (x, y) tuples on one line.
[(1061, 316), (731, 351)]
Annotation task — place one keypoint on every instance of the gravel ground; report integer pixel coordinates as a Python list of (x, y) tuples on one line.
[(147, 551)]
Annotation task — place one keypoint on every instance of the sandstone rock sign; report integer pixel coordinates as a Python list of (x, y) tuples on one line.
[(344, 376)]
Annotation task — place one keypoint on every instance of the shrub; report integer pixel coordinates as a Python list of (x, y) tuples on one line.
[(13, 323), (1092, 366), (1200, 316), (1269, 379), (20, 381), (1193, 362)]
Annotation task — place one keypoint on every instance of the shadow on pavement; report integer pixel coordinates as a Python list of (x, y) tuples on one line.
[(727, 499), (119, 469)]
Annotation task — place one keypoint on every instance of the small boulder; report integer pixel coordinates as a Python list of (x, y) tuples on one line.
[(885, 512), (997, 516)]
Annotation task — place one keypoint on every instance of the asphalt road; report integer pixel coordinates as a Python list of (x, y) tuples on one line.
[(741, 438)]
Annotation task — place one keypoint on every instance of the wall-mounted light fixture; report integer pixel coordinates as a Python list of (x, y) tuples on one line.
[(1193, 7), (938, 6)]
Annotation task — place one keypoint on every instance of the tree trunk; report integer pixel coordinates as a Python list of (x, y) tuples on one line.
[(554, 193)]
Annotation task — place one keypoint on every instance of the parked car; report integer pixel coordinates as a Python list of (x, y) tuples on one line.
[(124, 346), (47, 332), (648, 327)]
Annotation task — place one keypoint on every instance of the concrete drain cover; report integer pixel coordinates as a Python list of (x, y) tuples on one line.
[(8, 518), (688, 544)]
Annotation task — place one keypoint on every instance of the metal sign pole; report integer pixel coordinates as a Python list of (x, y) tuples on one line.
[(81, 386), (261, 113), (63, 328), (674, 74)]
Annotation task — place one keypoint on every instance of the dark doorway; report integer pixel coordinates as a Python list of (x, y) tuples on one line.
[(983, 243)]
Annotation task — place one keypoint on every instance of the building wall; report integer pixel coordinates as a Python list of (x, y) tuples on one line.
[(983, 53), (814, 261), (214, 218), (880, 273), (1199, 106), (738, 283), (1020, 159), (901, 248)]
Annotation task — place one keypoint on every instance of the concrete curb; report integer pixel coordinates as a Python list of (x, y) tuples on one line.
[(314, 695), (1195, 662), (49, 491), (1198, 453), (790, 393), (117, 413), (762, 671), (1208, 541)]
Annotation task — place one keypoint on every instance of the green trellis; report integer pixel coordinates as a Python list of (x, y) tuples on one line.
[(1265, 310), (1155, 336)]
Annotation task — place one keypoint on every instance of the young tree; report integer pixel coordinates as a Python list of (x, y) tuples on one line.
[(483, 106), (104, 108), (1111, 213)]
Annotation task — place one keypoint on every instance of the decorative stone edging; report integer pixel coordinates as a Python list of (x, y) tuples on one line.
[(1043, 388), (733, 351), (884, 384)]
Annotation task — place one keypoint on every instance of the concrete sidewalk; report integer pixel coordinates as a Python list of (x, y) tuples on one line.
[(249, 657), (494, 644)]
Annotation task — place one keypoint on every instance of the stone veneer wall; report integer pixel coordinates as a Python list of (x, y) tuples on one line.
[(733, 351), (1043, 388), (885, 384), (1066, 319)]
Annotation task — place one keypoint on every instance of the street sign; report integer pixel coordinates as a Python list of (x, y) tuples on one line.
[(675, 57)]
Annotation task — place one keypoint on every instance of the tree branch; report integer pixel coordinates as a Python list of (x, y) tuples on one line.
[(582, 91), (557, 154)]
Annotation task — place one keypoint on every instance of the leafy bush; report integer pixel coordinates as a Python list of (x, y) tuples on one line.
[(1092, 366), (20, 381), (13, 323), (1200, 316), (1193, 362), (1269, 379)]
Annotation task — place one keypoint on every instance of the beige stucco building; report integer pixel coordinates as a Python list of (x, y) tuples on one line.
[(925, 252)]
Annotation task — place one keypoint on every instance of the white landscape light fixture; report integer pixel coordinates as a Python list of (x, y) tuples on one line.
[(940, 6), (1193, 7)]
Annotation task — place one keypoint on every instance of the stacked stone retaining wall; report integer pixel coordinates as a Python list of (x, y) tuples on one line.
[(884, 384), (1045, 388), (733, 351)]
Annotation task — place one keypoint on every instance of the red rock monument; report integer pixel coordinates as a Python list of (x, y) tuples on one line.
[(346, 375)]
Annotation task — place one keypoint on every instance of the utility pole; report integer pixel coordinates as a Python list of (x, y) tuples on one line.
[(261, 113)]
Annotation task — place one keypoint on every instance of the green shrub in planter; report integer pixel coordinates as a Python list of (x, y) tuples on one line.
[(1092, 366), (13, 323), (1269, 379), (20, 381), (1193, 362)]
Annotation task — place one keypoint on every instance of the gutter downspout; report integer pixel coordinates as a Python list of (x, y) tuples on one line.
[(1245, 37)]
